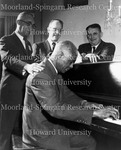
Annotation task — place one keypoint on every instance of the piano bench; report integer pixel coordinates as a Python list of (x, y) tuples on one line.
[(19, 145)]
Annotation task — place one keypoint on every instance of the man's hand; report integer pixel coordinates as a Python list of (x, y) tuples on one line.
[(93, 106), (32, 68), (90, 105), (106, 113), (92, 57)]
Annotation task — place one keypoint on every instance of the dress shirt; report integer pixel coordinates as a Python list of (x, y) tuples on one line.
[(51, 43), (94, 47), (21, 39)]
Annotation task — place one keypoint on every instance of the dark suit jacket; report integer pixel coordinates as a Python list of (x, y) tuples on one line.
[(41, 50), (104, 50), (14, 57), (0, 68), (47, 97)]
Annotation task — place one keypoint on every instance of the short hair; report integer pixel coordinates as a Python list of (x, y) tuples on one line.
[(60, 21), (95, 25), (23, 15), (66, 46)]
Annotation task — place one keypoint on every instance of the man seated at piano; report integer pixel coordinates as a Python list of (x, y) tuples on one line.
[(51, 102), (96, 50)]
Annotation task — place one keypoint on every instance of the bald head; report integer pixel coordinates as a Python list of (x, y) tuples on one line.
[(25, 16), (64, 47), (64, 55)]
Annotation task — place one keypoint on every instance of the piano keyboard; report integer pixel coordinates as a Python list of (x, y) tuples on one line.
[(118, 121)]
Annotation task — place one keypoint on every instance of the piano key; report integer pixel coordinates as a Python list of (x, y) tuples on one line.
[(118, 121)]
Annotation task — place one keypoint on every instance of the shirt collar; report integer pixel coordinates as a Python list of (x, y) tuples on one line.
[(19, 36), (50, 42), (53, 65), (96, 46)]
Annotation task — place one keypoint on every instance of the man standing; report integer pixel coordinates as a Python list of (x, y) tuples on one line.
[(42, 49), (96, 50), (15, 52), (47, 99)]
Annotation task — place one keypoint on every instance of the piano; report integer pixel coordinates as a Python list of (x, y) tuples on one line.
[(101, 83)]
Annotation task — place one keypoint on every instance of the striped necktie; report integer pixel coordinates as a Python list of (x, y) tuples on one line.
[(93, 49), (53, 46), (52, 49)]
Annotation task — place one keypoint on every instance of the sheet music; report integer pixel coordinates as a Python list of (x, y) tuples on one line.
[(118, 121)]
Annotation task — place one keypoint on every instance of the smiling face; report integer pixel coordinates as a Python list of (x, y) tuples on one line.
[(94, 36), (54, 30)]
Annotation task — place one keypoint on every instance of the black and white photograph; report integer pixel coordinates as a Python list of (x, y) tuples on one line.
[(60, 75)]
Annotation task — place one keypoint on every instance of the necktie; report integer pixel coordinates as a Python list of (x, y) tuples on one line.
[(53, 46), (52, 49), (93, 49), (26, 45)]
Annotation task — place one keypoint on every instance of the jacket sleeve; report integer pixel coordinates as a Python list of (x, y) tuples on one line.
[(10, 57), (49, 99), (83, 53), (107, 53)]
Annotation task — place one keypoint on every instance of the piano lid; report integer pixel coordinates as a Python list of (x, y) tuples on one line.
[(96, 81)]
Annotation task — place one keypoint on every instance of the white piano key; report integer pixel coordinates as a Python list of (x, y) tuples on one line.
[(118, 121)]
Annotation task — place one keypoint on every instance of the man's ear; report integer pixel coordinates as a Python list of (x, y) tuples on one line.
[(61, 55)]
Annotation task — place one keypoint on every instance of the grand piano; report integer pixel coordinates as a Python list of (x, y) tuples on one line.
[(101, 83)]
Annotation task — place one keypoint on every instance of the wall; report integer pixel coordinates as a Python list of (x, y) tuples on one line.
[(78, 18), (10, 8), (75, 19)]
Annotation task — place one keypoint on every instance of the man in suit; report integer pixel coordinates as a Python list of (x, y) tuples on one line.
[(96, 50), (48, 102), (15, 52), (42, 49)]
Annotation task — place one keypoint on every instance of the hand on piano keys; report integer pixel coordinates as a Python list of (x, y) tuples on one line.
[(106, 112), (90, 105)]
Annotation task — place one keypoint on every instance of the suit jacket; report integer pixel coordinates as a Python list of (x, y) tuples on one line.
[(41, 50), (14, 57), (47, 99), (0, 68), (104, 50)]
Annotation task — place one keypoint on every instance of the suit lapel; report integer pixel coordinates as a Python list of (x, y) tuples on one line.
[(89, 48), (29, 49), (99, 48), (19, 45), (47, 47)]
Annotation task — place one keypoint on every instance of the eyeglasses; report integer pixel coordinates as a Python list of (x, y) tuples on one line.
[(55, 30), (28, 23)]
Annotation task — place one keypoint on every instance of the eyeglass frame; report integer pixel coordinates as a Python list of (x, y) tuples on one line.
[(55, 29), (28, 23)]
